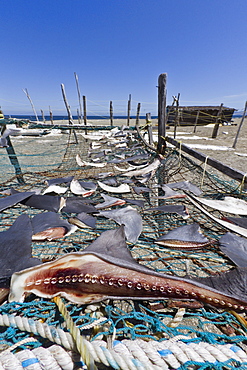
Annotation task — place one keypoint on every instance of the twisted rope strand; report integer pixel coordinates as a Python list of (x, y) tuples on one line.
[(124, 355)]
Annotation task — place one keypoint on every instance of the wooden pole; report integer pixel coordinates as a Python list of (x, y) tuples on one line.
[(197, 117), (43, 116), (84, 112), (79, 97), (67, 105), (217, 123), (12, 156), (149, 128), (129, 109), (176, 122), (240, 125), (32, 105), (79, 116), (70, 117), (51, 116), (161, 112), (138, 113), (111, 113)]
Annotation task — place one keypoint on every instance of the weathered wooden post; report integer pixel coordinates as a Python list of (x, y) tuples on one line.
[(12, 156), (162, 113), (79, 117), (70, 117), (51, 115), (197, 117), (111, 113), (217, 123), (176, 122), (129, 109), (79, 98), (149, 128), (43, 116), (71, 122), (32, 105), (138, 113), (240, 125)]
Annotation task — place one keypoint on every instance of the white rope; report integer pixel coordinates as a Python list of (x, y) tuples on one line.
[(53, 358), (55, 335), (125, 355)]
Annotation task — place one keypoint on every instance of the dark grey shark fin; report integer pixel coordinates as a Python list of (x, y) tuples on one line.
[(112, 243)]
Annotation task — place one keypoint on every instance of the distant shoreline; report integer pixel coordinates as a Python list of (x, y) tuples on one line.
[(95, 118)]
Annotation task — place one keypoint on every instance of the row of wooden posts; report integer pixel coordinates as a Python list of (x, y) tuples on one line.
[(162, 121), (162, 112)]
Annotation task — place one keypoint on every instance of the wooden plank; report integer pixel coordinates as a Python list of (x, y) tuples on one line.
[(226, 170)]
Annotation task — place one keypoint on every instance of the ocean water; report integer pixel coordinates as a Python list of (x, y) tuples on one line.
[(60, 118)]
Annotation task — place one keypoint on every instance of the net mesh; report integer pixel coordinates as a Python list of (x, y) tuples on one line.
[(125, 319)]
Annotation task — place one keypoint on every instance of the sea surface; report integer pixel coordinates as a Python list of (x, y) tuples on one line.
[(60, 118), (65, 117)]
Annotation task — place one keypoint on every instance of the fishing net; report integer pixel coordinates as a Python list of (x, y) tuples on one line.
[(129, 322)]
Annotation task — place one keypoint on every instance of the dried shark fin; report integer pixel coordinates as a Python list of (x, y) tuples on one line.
[(59, 180), (184, 237), (234, 247), (240, 221), (49, 226), (129, 217), (112, 243), (171, 208), (13, 199), (185, 185), (83, 220), (15, 247), (232, 282), (109, 201), (78, 205)]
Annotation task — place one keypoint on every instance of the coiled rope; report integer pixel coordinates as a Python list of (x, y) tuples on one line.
[(125, 354)]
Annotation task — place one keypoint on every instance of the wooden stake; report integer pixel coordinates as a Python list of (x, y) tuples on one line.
[(79, 98), (43, 116), (176, 122), (12, 156), (84, 112), (51, 116), (71, 122), (129, 109), (79, 117), (217, 123), (33, 108), (70, 117), (111, 113), (240, 125), (149, 128), (197, 117), (138, 113), (162, 112)]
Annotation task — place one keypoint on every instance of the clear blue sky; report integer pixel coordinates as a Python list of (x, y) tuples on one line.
[(119, 47)]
